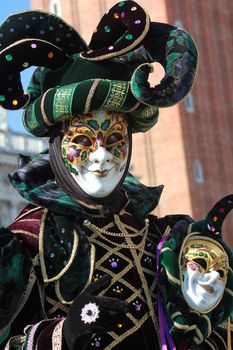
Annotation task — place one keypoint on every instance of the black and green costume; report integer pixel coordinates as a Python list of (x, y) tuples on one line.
[(62, 243)]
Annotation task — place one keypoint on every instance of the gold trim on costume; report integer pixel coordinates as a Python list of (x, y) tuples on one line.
[(92, 265), (229, 291), (41, 252), (184, 327), (116, 95), (229, 333), (121, 337), (57, 336), (62, 101), (134, 262), (42, 108), (126, 49), (27, 233), (26, 213), (57, 305), (90, 95), (219, 336), (200, 335), (61, 273), (134, 108), (137, 259), (214, 347), (208, 324), (172, 278), (177, 313)]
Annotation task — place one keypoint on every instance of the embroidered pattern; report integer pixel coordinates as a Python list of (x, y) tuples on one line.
[(116, 95), (63, 101), (122, 243), (57, 336)]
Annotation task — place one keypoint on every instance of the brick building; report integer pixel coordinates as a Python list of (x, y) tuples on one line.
[(190, 150)]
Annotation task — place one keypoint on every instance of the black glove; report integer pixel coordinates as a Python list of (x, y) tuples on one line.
[(91, 314)]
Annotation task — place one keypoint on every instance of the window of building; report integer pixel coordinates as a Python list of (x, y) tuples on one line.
[(17, 142), (188, 103), (2, 140), (55, 7), (5, 207), (178, 24), (34, 145), (198, 171)]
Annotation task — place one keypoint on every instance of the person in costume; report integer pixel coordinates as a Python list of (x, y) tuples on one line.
[(78, 265)]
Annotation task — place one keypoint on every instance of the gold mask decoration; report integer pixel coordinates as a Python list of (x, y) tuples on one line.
[(86, 133), (204, 265)]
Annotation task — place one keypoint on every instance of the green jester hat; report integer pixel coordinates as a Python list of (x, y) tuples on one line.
[(111, 73)]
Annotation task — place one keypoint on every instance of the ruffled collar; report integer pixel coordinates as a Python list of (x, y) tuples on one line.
[(35, 182)]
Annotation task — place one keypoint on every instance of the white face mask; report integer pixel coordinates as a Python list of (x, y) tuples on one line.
[(95, 150), (204, 269)]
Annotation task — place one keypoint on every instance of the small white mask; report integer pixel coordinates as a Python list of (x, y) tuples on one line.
[(204, 269), (95, 150)]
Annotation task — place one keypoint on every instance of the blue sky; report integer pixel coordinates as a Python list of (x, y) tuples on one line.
[(9, 7)]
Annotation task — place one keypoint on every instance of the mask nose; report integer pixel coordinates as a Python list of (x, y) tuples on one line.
[(100, 156), (213, 277)]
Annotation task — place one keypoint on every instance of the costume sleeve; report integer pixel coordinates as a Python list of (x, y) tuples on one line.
[(17, 278), (44, 335), (17, 283)]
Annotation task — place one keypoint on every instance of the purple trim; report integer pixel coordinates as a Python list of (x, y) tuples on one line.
[(165, 336), (31, 335)]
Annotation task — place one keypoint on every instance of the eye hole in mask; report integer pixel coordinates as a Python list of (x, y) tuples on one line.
[(201, 262), (82, 140), (114, 138)]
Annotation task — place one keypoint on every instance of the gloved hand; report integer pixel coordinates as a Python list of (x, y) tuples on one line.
[(91, 314)]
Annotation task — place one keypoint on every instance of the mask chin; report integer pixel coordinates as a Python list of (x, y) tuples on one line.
[(100, 183), (202, 292)]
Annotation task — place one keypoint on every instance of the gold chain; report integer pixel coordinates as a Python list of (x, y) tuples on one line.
[(102, 231)]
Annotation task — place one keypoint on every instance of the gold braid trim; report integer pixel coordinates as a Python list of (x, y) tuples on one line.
[(166, 249), (27, 233), (184, 327), (137, 259), (211, 345), (229, 333), (18, 218), (172, 278), (134, 108), (41, 252), (57, 283), (200, 338), (56, 306), (175, 314), (119, 339), (57, 336), (209, 330), (219, 336), (42, 108), (229, 291), (90, 95), (120, 275)]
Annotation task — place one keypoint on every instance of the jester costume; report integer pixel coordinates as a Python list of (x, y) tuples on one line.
[(83, 266)]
